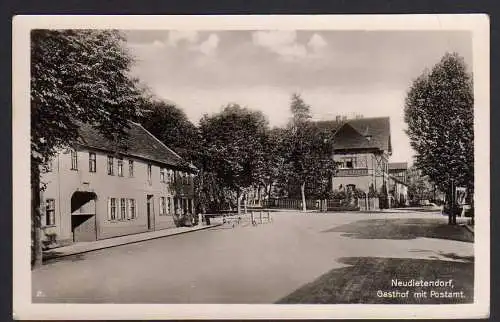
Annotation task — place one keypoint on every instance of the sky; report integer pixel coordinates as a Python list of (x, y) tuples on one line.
[(336, 72)]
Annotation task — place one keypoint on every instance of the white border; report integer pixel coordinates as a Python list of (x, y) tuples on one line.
[(477, 24)]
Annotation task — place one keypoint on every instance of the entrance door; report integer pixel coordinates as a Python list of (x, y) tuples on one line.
[(83, 216), (83, 227), (150, 212)]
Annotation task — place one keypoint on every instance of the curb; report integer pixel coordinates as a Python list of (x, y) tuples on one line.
[(52, 257)]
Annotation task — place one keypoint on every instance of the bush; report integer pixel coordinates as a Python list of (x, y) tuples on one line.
[(337, 195), (372, 193), (360, 194)]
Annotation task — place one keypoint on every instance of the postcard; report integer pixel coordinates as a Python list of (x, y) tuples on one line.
[(251, 167)]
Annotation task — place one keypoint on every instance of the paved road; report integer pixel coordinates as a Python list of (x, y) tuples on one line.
[(246, 264)]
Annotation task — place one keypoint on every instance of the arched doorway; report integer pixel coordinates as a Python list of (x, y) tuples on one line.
[(83, 216)]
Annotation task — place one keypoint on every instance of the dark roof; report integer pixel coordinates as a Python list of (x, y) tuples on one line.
[(398, 166), (361, 133), (139, 143), (329, 125)]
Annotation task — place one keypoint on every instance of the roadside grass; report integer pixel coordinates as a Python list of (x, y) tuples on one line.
[(360, 282)]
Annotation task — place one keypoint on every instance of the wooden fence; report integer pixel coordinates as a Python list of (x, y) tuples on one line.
[(291, 204), (368, 204), (325, 205)]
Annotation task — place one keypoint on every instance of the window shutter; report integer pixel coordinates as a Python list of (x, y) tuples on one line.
[(128, 209), (109, 208), (119, 208)]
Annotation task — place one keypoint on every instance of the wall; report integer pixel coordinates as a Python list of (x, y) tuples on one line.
[(376, 172), (62, 182)]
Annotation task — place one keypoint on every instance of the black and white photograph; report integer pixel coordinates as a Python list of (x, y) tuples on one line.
[(248, 167)]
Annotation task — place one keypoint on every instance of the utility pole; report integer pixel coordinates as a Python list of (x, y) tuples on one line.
[(452, 217)]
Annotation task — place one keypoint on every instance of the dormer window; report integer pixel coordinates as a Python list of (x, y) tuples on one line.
[(368, 137)]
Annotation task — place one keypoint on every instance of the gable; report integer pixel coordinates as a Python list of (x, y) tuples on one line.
[(364, 133)]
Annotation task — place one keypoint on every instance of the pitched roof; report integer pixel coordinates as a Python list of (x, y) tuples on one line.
[(398, 165), (362, 133), (329, 125), (139, 143)]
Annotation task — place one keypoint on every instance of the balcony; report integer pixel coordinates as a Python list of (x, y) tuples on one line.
[(357, 172)]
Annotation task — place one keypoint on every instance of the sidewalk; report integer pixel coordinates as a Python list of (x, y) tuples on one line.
[(469, 227), (83, 247)]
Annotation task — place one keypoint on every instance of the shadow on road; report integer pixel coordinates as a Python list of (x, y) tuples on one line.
[(403, 228), (55, 256), (366, 277)]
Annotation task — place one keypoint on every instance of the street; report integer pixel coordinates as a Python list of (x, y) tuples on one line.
[(298, 258)]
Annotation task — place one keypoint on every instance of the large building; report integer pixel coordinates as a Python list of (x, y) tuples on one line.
[(398, 183), (99, 189), (362, 150)]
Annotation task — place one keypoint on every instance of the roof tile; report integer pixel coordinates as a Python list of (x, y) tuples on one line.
[(139, 143)]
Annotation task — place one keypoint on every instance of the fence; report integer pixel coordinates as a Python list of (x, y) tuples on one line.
[(253, 218), (368, 204), (291, 204), (325, 205)]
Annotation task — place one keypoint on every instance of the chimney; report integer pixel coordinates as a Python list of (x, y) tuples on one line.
[(367, 134), (337, 118)]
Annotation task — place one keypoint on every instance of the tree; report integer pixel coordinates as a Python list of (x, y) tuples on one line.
[(419, 187), (310, 149), (171, 126), (274, 167), (77, 76), (439, 113), (234, 140)]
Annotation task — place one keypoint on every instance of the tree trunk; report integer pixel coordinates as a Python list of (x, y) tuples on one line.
[(201, 199), (238, 201), (259, 196), (303, 193), (36, 220), (450, 207), (246, 201)]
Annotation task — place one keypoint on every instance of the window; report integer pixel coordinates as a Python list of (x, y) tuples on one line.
[(348, 163), (130, 168), (149, 173), (120, 167), (50, 214), (162, 175), (169, 205), (163, 206), (112, 208), (92, 162), (74, 160), (111, 170), (169, 175), (123, 209), (131, 209)]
